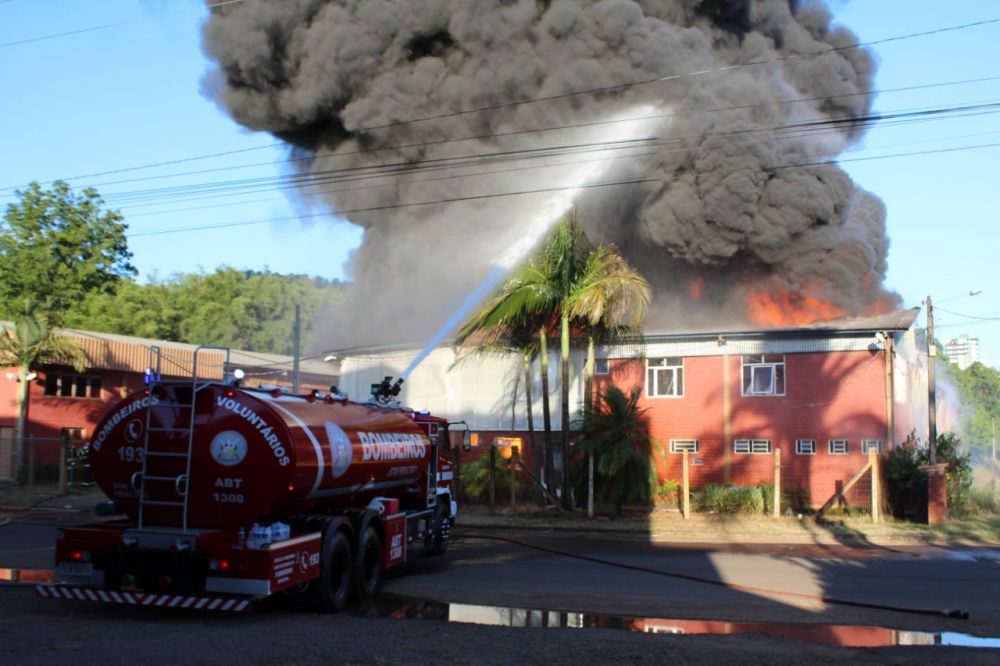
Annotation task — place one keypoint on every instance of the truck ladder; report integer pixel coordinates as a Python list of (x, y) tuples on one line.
[(161, 484)]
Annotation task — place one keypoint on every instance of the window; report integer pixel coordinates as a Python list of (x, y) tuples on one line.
[(68, 384), (601, 366), (665, 377), (752, 446), (805, 447), (679, 445), (764, 374), (74, 435), (838, 447), (871, 444)]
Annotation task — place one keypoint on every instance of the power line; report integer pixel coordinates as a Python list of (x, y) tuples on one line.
[(397, 206), (472, 159), (105, 26), (675, 77), (717, 109), (967, 316)]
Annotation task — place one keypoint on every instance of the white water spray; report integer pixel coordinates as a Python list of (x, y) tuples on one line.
[(633, 126)]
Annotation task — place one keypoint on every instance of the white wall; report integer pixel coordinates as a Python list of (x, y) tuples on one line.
[(478, 390)]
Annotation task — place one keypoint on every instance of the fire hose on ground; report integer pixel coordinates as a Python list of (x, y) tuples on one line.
[(955, 614)]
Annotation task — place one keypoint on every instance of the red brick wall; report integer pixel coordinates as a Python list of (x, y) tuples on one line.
[(837, 395), (48, 415)]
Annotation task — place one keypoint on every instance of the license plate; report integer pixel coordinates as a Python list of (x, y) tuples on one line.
[(74, 568)]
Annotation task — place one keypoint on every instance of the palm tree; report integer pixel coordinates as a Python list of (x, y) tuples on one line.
[(571, 282), (609, 301), (507, 324), (617, 434), (28, 344)]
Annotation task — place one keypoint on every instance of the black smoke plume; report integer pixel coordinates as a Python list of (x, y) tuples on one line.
[(391, 103)]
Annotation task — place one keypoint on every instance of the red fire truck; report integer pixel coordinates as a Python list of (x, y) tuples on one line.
[(234, 493)]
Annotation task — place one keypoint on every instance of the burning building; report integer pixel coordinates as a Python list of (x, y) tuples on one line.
[(444, 128), (822, 393)]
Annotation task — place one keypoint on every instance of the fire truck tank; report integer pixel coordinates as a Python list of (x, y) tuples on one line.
[(222, 456)]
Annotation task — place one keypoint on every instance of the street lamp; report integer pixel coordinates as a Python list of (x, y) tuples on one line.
[(931, 388)]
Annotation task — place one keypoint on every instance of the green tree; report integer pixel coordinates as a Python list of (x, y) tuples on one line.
[(57, 246), (616, 432), (28, 344), (508, 323), (979, 387), (608, 302), (228, 307)]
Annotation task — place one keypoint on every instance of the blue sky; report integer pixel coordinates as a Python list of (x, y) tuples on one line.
[(127, 95)]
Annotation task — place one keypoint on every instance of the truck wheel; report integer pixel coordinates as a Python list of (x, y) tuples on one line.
[(441, 529), (335, 578), (368, 565)]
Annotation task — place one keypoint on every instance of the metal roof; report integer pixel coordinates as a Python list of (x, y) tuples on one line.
[(897, 320), (111, 351)]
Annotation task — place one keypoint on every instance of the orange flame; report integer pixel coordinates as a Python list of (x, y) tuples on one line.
[(783, 309), (697, 287)]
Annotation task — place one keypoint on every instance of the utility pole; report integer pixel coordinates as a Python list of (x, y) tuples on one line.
[(295, 351), (931, 388)]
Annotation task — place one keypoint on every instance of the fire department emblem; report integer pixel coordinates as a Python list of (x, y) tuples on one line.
[(340, 449), (133, 431), (229, 448)]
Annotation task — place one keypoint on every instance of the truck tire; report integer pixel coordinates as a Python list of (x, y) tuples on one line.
[(441, 529), (367, 565), (335, 575)]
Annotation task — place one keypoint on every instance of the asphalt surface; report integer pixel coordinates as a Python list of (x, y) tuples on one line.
[(533, 578)]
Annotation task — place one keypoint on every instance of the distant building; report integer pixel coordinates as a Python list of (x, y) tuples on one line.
[(64, 403), (963, 351)]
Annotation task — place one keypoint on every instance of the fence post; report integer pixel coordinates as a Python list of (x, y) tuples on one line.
[(456, 482), (777, 482), (876, 490), (31, 460), (513, 475), (493, 478), (63, 453), (686, 503)]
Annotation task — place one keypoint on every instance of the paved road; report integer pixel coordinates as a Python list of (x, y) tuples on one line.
[(628, 575), (751, 583)]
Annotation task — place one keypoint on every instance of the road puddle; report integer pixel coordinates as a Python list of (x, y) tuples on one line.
[(840, 635)]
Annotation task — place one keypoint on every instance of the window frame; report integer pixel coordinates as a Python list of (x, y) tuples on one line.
[(695, 445), (799, 447), (778, 369), (866, 444), (677, 372), (834, 442), (751, 447), (67, 383)]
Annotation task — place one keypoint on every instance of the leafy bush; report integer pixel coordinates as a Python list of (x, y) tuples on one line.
[(793, 500), (615, 430), (668, 493), (907, 486), (476, 480), (729, 499), (983, 499)]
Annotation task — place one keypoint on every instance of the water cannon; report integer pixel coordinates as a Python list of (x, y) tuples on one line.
[(386, 391)]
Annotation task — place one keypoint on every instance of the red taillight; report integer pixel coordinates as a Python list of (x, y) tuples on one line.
[(223, 565), (76, 556)]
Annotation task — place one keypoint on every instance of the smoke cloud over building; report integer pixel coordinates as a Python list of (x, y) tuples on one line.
[(437, 125)]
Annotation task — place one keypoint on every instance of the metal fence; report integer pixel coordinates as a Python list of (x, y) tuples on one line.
[(60, 460)]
